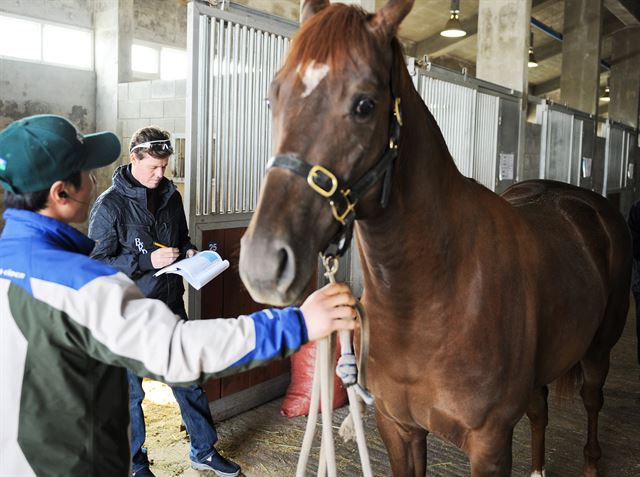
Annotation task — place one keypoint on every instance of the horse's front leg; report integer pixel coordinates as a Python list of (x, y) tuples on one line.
[(407, 448), (489, 452)]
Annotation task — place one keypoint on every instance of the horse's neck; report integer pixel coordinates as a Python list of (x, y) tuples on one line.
[(421, 217)]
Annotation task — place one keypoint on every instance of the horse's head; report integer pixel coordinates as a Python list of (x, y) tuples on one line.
[(332, 105)]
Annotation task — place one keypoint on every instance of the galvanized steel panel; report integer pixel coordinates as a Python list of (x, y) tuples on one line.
[(616, 154), (237, 63), (454, 108), (485, 148), (558, 146)]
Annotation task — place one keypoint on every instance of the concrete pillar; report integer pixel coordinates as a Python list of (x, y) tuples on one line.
[(579, 82), (113, 30), (624, 81), (503, 42)]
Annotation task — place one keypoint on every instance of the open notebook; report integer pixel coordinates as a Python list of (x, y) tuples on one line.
[(199, 269)]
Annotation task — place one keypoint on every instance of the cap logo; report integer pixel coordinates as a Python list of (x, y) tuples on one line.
[(3, 164)]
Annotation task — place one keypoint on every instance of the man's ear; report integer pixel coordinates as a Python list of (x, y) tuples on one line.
[(58, 193)]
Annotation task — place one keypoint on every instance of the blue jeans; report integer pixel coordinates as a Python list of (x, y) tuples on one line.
[(194, 407)]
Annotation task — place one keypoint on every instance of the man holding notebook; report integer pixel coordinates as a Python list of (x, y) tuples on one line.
[(69, 325), (139, 227)]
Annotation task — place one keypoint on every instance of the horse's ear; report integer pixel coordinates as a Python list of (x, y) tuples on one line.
[(309, 8), (388, 19)]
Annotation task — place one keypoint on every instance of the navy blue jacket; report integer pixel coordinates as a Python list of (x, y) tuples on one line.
[(124, 231)]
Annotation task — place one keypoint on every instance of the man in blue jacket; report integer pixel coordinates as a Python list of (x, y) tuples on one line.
[(141, 211), (70, 325)]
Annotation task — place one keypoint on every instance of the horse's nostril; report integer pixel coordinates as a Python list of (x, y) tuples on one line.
[(283, 259), (286, 268)]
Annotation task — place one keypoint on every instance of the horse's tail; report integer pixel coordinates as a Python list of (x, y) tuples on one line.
[(567, 384)]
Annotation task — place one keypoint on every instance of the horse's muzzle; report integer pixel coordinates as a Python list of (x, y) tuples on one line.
[(268, 270)]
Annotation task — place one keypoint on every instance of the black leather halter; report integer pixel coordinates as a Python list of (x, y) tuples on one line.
[(343, 199)]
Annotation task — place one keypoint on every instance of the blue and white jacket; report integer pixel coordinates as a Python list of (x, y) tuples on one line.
[(69, 326)]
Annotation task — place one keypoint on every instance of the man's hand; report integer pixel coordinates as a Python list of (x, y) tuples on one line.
[(329, 309), (191, 252), (164, 256)]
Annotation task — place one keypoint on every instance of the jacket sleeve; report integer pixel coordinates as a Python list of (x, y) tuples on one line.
[(117, 325), (103, 229)]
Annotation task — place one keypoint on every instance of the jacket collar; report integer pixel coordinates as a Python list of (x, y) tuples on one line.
[(26, 224), (137, 191)]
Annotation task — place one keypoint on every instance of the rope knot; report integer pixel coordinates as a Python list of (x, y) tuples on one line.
[(347, 369)]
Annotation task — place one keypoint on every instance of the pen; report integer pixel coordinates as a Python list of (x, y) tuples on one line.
[(157, 244)]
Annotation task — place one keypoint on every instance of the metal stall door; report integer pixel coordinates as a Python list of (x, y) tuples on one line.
[(507, 147), (585, 164), (567, 147), (616, 157), (233, 56), (556, 145), (454, 108), (479, 122), (485, 147)]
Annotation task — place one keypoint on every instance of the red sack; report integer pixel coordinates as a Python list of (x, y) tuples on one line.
[(298, 398)]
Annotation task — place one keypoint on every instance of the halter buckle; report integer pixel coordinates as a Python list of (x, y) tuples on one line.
[(314, 173), (396, 111), (348, 209)]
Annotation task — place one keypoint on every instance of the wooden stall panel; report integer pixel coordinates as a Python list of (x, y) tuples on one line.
[(226, 297)]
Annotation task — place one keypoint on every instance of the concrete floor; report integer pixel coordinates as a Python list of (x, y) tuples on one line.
[(266, 444)]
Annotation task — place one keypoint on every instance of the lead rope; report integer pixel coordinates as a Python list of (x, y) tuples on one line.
[(323, 387)]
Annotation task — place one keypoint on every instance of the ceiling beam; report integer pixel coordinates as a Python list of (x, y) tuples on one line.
[(627, 11), (547, 51), (437, 45), (546, 87)]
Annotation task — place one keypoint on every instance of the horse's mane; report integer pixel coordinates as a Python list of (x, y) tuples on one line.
[(324, 37)]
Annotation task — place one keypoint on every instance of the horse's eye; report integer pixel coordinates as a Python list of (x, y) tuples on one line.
[(363, 108)]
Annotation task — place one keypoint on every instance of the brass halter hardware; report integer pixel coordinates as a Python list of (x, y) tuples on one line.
[(315, 172), (351, 206), (396, 111)]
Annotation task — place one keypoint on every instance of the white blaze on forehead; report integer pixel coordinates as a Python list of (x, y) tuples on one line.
[(313, 75)]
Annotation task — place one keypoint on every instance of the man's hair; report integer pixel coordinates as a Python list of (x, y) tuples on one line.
[(35, 201), (148, 134)]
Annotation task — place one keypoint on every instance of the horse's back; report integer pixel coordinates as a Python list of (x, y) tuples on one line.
[(583, 219)]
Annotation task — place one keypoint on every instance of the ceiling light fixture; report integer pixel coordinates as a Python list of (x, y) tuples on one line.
[(606, 96), (532, 63), (453, 28)]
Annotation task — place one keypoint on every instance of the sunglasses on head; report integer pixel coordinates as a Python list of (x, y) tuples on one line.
[(159, 146)]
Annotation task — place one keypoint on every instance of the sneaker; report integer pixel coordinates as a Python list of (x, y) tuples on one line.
[(218, 464), (144, 472)]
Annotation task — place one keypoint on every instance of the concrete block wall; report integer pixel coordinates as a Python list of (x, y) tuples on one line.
[(160, 103)]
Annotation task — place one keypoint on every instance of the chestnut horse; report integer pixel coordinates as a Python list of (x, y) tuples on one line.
[(476, 301)]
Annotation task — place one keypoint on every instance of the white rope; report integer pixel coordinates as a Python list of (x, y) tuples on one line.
[(323, 387)]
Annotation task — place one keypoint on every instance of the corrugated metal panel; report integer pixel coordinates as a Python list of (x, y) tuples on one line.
[(616, 150), (234, 126), (454, 108), (486, 131), (559, 146)]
